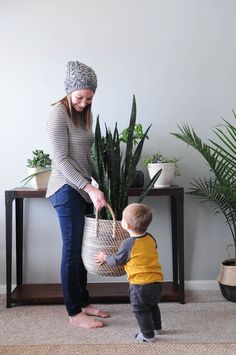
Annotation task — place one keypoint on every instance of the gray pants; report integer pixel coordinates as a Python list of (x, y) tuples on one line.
[(144, 300)]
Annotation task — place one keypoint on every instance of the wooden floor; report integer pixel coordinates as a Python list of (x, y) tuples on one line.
[(99, 293)]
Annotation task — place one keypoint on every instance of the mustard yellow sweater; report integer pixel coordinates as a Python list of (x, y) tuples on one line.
[(139, 256)]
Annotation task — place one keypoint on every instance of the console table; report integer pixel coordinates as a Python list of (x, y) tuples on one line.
[(99, 292)]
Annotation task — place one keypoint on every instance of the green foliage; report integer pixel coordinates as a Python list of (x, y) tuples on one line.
[(137, 135), (115, 171), (219, 189), (39, 159)]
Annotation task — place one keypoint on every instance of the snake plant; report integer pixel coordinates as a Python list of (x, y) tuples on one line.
[(115, 170), (219, 189)]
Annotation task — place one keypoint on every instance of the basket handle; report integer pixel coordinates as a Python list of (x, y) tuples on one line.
[(113, 218)]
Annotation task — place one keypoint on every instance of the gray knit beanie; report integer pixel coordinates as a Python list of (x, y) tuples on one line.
[(79, 77)]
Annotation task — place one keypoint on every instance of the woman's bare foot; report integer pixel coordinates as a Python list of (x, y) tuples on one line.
[(83, 321), (92, 311)]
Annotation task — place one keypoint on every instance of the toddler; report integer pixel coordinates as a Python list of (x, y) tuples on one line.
[(139, 256)]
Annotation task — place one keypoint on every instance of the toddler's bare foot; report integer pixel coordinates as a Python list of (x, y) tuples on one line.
[(92, 311), (83, 321)]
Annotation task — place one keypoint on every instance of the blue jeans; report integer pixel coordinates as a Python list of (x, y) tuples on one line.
[(71, 209)]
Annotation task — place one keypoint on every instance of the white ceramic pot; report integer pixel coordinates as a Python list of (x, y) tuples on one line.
[(40, 181), (167, 174)]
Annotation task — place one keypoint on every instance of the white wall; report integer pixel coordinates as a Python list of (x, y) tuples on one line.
[(177, 57)]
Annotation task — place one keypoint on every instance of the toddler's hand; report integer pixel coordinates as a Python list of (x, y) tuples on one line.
[(100, 258)]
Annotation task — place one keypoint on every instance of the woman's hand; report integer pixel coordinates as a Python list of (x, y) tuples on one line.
[(96, 195), (100, 258)]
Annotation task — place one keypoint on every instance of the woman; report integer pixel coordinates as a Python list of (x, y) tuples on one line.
[(70, 190)]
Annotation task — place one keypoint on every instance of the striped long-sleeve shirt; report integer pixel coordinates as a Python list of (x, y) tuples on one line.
[(71, 152)]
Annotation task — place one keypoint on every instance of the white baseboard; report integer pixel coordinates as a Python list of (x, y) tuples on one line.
[(2, 289), (195, 285), (201, 285)]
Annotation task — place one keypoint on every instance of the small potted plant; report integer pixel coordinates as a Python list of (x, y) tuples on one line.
[(169, 169), (39, 169)]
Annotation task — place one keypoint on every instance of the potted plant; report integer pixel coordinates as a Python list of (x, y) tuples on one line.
[(219, 189), (115, 172), (39, 169), (169, 169)]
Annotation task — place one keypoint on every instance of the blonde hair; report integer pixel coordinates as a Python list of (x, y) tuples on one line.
[(86, 114), (138, 216)]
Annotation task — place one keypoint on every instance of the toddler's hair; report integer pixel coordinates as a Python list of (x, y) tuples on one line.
[(138, 216)]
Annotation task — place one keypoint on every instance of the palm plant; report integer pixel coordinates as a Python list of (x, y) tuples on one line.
[(115, 171), (219, 189)]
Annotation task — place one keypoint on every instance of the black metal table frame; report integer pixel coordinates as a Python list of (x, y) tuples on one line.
[(176, 194)]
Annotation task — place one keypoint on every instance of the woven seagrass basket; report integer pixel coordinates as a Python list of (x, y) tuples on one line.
[(102, 235)]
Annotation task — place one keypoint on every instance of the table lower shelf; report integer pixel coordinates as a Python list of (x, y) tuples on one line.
[(99, 293)]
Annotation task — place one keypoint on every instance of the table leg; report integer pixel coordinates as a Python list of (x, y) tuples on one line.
[(9, 197), (174, 239), (19, 240), (180, 241)]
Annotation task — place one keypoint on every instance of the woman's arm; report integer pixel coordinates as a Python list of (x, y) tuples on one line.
[(58, 136), (71, 170)]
